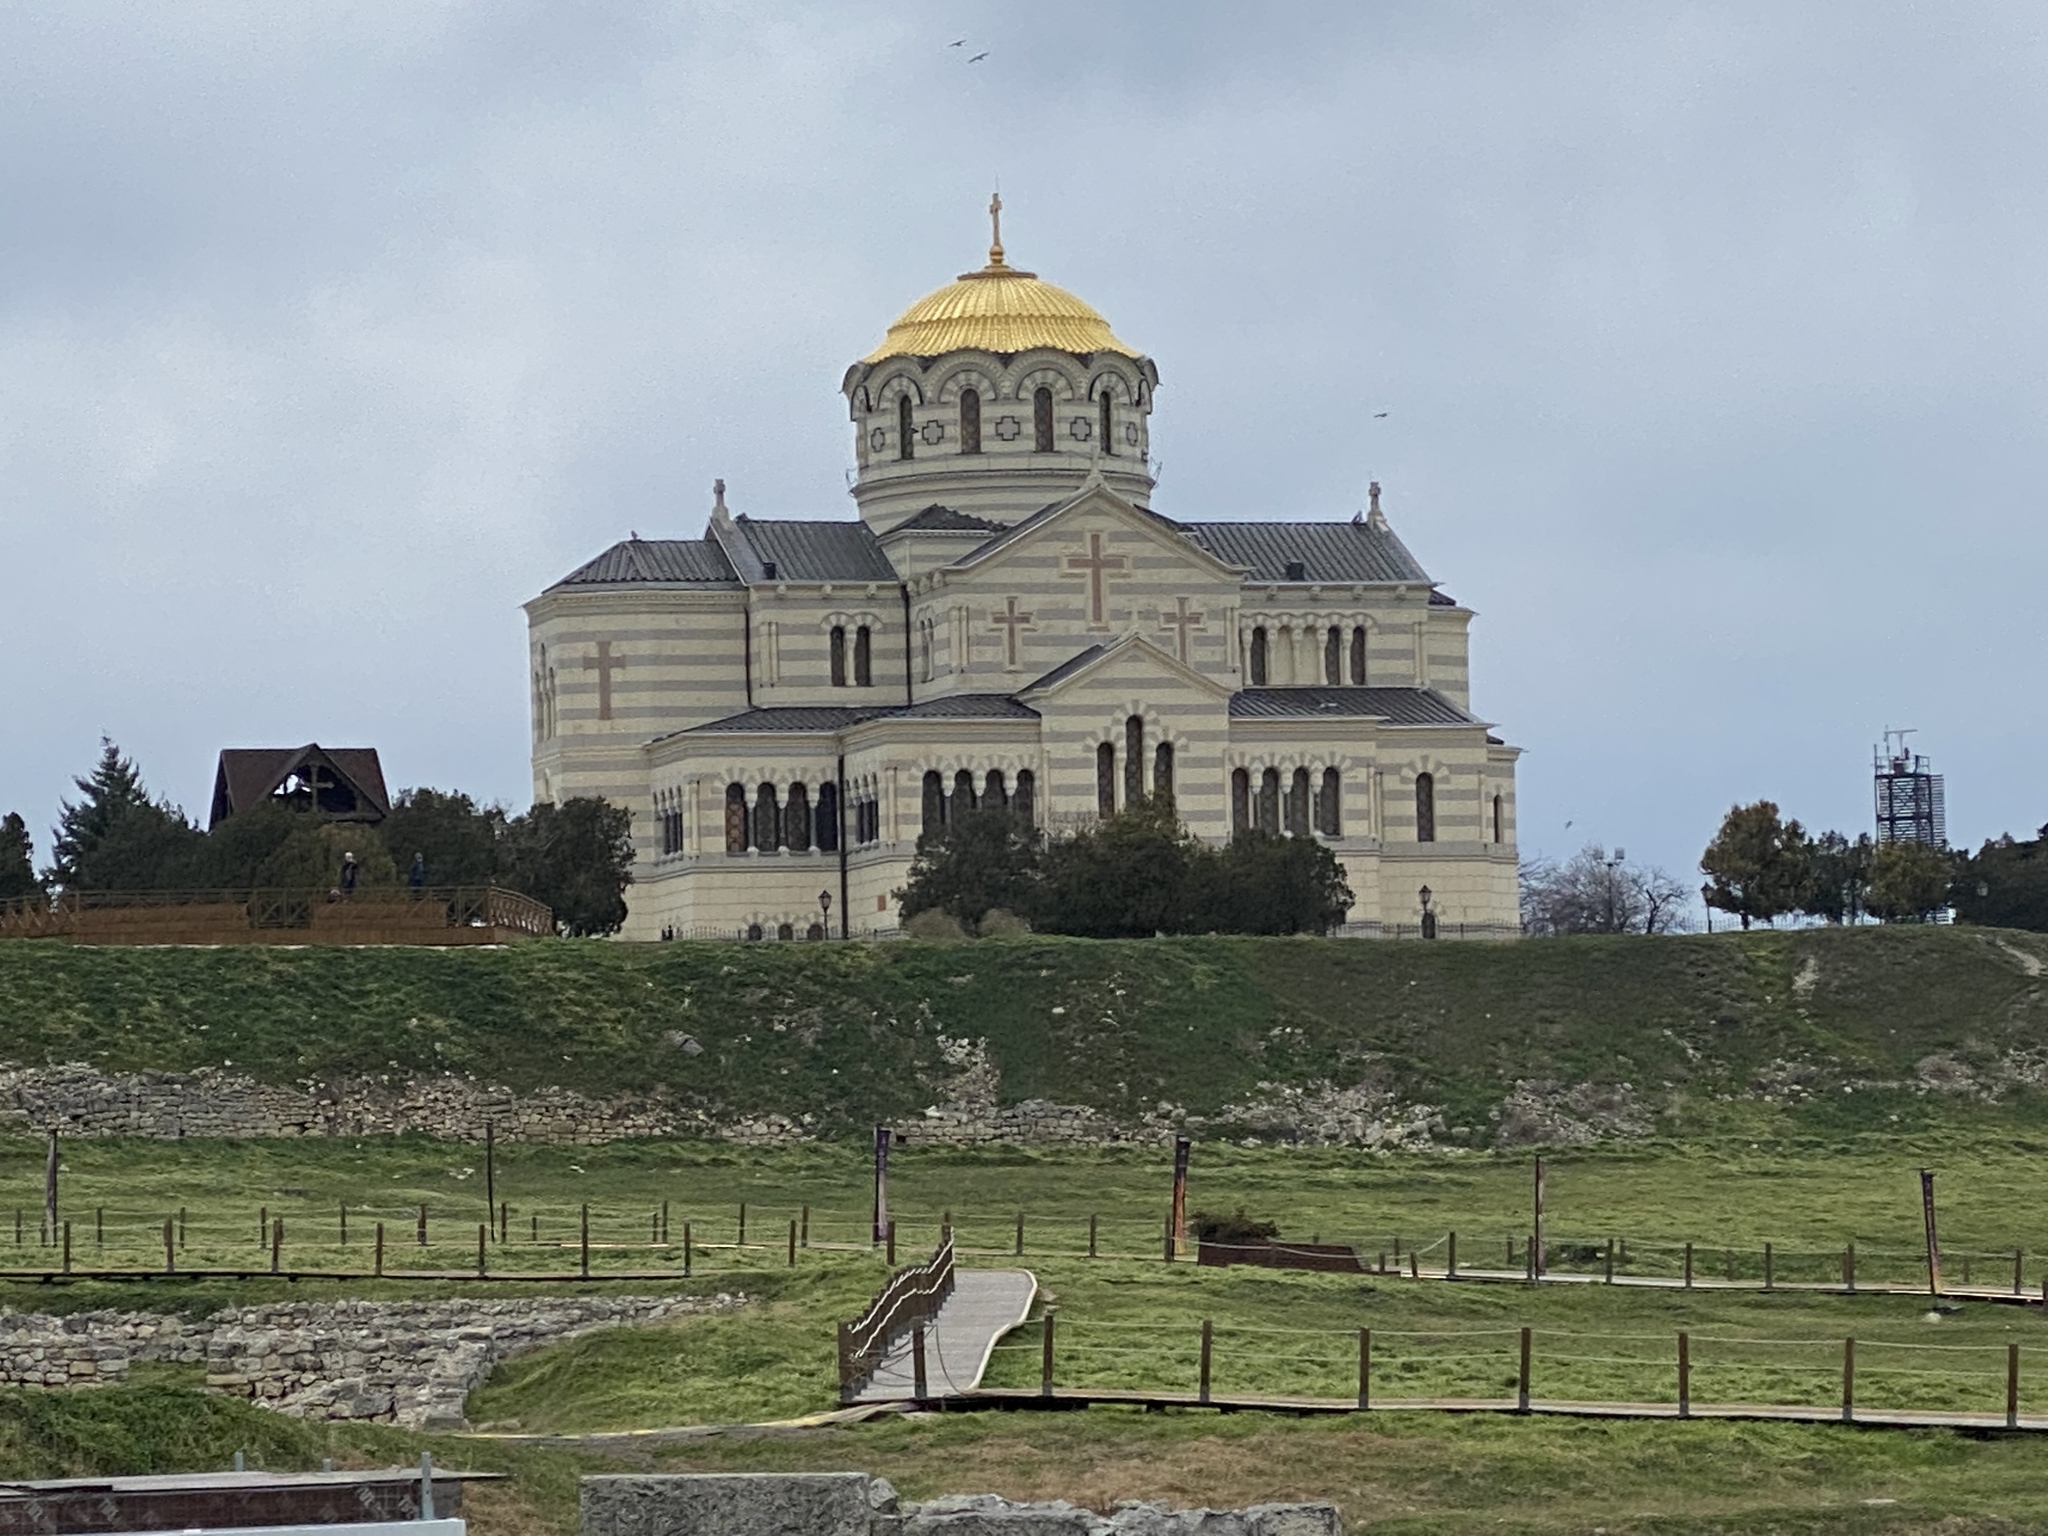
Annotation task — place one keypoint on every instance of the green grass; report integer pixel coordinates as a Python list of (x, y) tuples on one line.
[(848, 1034)]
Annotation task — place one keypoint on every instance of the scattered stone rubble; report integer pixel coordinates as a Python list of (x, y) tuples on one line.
[(854, 1504), (412, 1362)]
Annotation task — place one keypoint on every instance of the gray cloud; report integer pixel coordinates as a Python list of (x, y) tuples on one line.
[(1710, 339)]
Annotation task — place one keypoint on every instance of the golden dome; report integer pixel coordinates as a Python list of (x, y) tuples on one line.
[(998, 309)]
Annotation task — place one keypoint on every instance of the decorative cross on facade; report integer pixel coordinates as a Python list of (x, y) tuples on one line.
[(1010, 621), (604, 663), (1180, 621), (1095, 564)]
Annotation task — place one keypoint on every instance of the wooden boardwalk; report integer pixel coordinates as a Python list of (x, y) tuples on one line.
[(1083, 1397), (984, 1305)]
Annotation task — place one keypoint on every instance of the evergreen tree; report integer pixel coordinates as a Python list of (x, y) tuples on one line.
[(1266, 884), (1756, 866), (578, 858), (2005, 884), (1127, 877), (978, 862), (116, 837), (17, 859), (1839, 877), (458, 840), (1908, 882)]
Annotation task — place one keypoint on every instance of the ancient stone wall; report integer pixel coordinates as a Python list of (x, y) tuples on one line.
[(854, 1504)]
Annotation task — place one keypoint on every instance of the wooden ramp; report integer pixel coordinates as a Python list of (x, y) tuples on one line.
[(984, 1305)]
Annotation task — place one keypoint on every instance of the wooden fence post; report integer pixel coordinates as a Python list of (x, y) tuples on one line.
[(1770, 1274), (584, 1240), (792, 1245), (918, 1389), (743, 1223), (483, 1232), (276, 1245), (67, 1247), (1414, 1265), (1849, 1268), (380, 1248), (1529, 1261), (1020, 1234), (1688, 1266), (1610, 1261), (1208, 1340), (1848, 1381), (1451, 1258), (1522, 1383), (344, 1223), (892, 1242), (845, 1346), (687, 1254), (170, 1253), (262, 1226), (505, 1220), (1365, 1367), (181, 1226), (423, 1225), (2017, 1254), (2012, 1386), (803, 1229), (99, 1226), (1045, 1356), (1684, 1376), (533, 1228), (1091, 1237)]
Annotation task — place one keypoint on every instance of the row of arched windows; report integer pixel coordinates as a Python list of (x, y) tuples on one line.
[(1336, 652), (863, 657), (970, 423), (1296, 805), (774, 820), (1133, 785), (995, 793)]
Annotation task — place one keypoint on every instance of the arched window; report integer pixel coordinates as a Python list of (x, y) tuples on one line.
[(1259, 657), (1297, 804), (753, 932), (1108, 412), (1105, 781), (963, 795), (934, 802), (1162, 772), (1134, 760), (785, 931), (1358, 655), (767, 820), (995, 794), (1330, 813), (1499, 822), (906, 431), (1240, 801), (1269, 802), (1027, 785), (1425, 808), (796, 820), (838, 655), (1041, 419), (1333, 657), (828, 818), (735, 818), (970, 421), (863, 658)]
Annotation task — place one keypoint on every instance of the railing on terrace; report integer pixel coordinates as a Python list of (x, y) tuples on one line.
[(912, 1296), (69, 913)]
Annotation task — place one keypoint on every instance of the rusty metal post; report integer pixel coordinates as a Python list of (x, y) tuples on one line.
[(1181, 1148)]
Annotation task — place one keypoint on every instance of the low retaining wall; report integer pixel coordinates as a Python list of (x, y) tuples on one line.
[(854, 1504), (412, 1363)]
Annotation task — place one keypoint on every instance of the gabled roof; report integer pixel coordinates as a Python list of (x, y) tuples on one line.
[(938, 519), (811, 551), (1397, 706), (1125, 644), (695, 561), (1092, 489), (1065, 669), (817, 719), (1334, 554), (351, 780)]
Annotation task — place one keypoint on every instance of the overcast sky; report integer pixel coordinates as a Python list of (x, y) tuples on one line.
[(1711, 342)]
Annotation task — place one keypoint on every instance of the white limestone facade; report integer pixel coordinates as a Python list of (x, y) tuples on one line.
[(788, 705)]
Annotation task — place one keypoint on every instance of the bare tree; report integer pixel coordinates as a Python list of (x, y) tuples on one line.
[(1593, 892)]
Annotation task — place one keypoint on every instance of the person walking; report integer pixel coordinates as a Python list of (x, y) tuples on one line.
[(350, 869), (416, 877)]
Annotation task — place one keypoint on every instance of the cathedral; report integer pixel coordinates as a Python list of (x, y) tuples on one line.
[(786, 705)]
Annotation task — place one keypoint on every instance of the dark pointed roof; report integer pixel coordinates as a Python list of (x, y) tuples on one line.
[(697, 562), (1333, 554), (1397, 706), (823, 718), (938, 519), (246, 776)]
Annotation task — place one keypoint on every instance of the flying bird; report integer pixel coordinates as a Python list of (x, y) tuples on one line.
[(1379, 415), (977, 58), (958, 43)]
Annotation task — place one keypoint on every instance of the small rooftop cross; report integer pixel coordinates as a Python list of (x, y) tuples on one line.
[(995, 226)]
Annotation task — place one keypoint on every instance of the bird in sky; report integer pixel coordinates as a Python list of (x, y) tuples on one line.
[(1379, 415), (958, 42), (977, 58)]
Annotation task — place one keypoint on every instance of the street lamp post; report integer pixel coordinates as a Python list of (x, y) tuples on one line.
[(1620, 858), (825, 906), (1428, 917)]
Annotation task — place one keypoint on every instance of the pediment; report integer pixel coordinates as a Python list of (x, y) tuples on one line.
[(1131, 657), (1094, 503)]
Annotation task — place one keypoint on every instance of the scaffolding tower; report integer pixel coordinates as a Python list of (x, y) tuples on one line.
[(1910, 801)]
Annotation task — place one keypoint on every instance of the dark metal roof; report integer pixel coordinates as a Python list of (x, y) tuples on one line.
[(668, 560), (1331, 553), (816, 551), (1441, 599), (1397, 706), (823, 719), (968, 706), (1066, 669), (938, 519)]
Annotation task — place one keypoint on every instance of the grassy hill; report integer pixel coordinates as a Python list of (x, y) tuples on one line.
[(853, 1033)]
